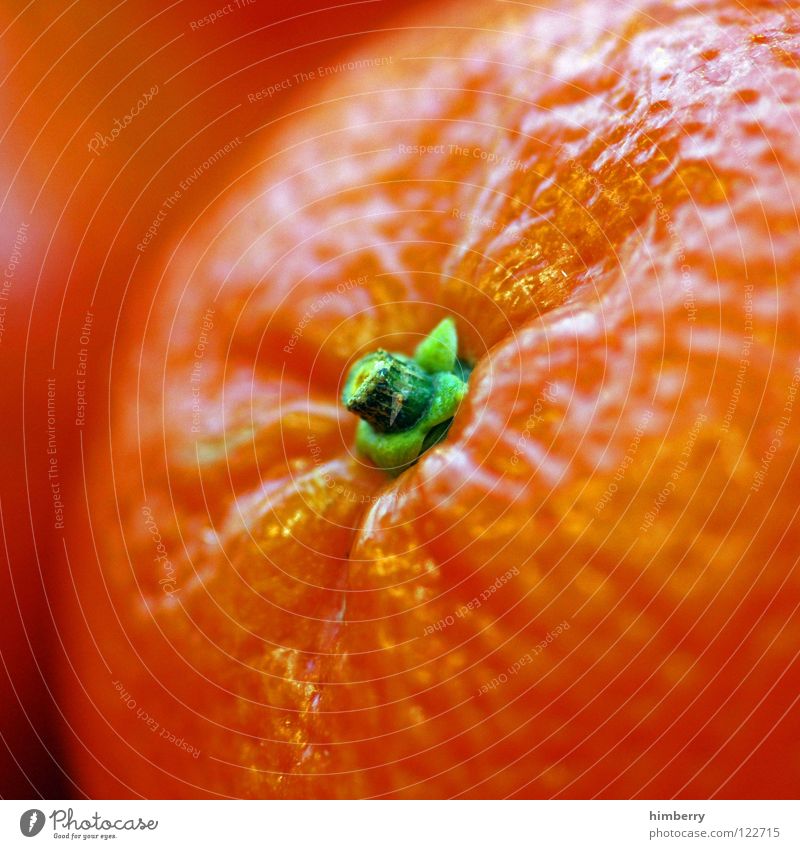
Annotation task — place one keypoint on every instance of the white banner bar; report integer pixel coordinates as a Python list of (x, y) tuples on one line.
[(403, 825)]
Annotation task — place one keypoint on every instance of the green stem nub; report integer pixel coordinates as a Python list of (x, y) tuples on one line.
[(406, 404), (392, 393)]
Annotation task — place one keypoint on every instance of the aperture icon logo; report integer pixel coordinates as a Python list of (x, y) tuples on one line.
[(31, 822)]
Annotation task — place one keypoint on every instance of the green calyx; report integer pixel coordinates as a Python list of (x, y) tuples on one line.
[(406, 404)]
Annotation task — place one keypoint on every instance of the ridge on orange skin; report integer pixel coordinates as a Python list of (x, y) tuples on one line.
[(619, 245)]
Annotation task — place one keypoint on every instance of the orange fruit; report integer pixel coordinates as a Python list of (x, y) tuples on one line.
[(589, 588)]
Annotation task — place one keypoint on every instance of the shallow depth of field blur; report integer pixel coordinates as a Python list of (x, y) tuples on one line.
[(104, 107), (589, 588)]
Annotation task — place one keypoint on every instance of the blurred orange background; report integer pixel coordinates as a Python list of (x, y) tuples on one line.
[(76, 199)]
